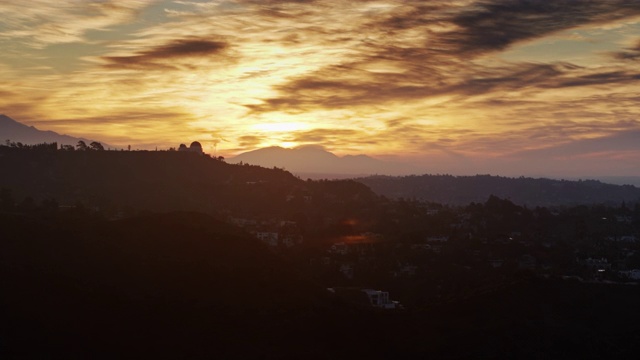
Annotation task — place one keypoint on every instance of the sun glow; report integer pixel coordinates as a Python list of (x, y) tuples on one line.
[(289, 144), (280, 127)]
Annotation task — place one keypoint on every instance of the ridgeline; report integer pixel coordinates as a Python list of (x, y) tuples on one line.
[(131, 181), (462, 190)]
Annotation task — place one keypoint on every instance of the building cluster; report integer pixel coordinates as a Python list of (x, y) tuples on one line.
[(377, 299), (602, 253), (453, 249), (195, 147), (277, 234)]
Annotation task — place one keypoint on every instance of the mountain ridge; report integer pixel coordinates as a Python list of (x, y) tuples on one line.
[(462, 190), (201, 183), (15, 131), (314, 159)]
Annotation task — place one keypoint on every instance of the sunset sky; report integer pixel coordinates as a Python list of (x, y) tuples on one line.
[(520, 87)]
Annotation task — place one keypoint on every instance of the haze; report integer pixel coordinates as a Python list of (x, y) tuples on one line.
[(503, 87)]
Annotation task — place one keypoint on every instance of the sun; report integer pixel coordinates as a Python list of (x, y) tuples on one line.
[(280, 133)]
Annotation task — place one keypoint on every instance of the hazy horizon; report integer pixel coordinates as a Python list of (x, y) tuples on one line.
[(324, 168), (316, 162)]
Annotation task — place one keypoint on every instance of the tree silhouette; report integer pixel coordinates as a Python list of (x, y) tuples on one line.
[(96, 146), (81, 145), (6, 200)]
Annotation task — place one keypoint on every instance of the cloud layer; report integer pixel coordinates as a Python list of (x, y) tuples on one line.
[(462, 85)]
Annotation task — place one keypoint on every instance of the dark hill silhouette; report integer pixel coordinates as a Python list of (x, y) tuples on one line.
[(183, 285), (15, 131), (170, 180), (164, 181), (462, 190), (158, 181), (181, 282)]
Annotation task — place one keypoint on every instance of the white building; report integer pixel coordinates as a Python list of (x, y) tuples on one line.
[(269, 238), (380, 299)]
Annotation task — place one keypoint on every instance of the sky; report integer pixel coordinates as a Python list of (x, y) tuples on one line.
[(508, 87)]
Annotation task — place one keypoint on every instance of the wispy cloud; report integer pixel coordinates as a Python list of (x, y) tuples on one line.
[(250, 141), (631, 54), (42, 22)]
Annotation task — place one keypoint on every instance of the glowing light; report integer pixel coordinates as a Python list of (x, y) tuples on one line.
[(280, 127)]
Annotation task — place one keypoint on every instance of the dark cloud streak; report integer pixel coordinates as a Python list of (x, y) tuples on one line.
[(314, 92), (495, 25), (438, 64), (632, 53), (155, 58)]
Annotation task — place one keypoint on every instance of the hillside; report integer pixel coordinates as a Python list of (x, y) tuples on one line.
[(183, 285), (181, 282), (123, 182), (462, 190)]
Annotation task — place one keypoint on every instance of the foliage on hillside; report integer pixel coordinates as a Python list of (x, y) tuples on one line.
[(149, 180), (182, 285)]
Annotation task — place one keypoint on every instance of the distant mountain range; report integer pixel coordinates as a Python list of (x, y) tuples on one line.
[(462, 190), (315, 161), (15, 131)]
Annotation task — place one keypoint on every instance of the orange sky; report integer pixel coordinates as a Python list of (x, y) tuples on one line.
[(460, 86)]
